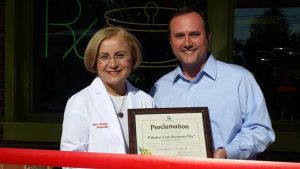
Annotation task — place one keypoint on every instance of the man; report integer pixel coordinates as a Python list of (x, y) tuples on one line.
[(240, 122)]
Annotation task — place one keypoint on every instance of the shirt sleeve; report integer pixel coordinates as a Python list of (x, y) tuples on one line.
[(256, 133), (75, 129)]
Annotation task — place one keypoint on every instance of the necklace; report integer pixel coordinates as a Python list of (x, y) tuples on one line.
[(117, 110)]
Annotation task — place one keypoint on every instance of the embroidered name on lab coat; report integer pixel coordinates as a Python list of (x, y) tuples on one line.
[(100, 125)]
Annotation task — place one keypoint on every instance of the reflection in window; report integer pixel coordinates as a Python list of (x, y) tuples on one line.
[(267, 41), (62, 32)]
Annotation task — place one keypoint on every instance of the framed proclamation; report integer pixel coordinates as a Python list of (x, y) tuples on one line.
[(170, 131)]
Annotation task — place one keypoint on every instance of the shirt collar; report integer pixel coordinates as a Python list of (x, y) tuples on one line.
[(209, 70), (210, 67)]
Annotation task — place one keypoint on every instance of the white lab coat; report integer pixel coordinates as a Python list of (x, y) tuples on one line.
[(90, 121)]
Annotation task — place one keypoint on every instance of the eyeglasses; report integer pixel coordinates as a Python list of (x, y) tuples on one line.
[(105, 58)]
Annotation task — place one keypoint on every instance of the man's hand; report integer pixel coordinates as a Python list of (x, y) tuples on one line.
[(220, 153)]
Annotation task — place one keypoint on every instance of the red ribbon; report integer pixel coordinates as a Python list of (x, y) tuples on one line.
[(56, 158)]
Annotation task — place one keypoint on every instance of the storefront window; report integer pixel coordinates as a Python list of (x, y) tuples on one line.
[(63, 31), (267, 41)]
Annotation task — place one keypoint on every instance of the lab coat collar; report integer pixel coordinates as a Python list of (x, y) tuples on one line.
[(98, 86)]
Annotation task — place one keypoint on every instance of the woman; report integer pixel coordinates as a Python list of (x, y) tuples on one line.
[(95, 119)]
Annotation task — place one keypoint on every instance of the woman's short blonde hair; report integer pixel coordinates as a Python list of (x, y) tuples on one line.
[(94, 44)]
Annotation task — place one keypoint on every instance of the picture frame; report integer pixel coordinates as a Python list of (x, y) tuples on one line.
[(184, 131)]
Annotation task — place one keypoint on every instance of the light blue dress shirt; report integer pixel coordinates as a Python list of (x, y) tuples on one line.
[(239, 117)]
